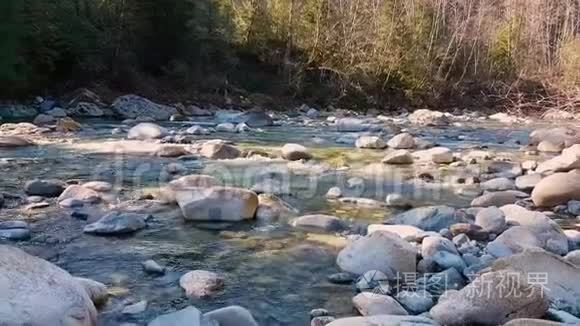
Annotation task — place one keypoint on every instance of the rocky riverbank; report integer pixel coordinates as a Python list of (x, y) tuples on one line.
[(181, 215)]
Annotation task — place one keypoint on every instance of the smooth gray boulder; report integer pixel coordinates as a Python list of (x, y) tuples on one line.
[(37, 293), (232, 316), (118, 223)]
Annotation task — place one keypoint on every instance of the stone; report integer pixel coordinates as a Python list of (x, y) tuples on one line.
[(531, 322), (562, 317), (271, 207), (529, 165), (351, 125), (416, 302), (96, 291), (446, 260), (15, 112), (217, 204), (66, 125), (189, 316), (402, 141), (397, 200), (438, 283), (57, 112), (430, 218), (14, 230), (382, 251), (319, 222), (573, 239), (558, 277), (256, 119), (295, 152), (231, 316), (312, 113), (171, 151), (556, 189), (504, 118), (483, 302), (225, 127), (545, 229), (496, 198), (407, 232), (528, 182), (196, 130), (22, 128), (473, 231), (557, 114), (568, 161), (168, 193), (135, 308), (147, 131), (118, 223), (491, 219), (341, 278), (28, 283), (99, 186), (573, 207), (573, 257), (85, 109), (551, 146), (438, 155), (219, 150), (333, 193), (272, 186), (152, 267), (201, 284), (79, 193), (14, 141), (44, 119), (133, 106), (320, 312), (433, 244), (362, 202), (503, 169), (373, 280), (370, 142), (401, 156), (498, 184), (426, 117), (372, 304), (44, 188), (322, 320), (384, 320), (513, 241)]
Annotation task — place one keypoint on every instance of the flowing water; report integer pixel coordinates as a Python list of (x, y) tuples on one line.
[(276, 272)]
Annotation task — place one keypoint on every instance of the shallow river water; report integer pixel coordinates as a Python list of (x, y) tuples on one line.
[(276, 272)]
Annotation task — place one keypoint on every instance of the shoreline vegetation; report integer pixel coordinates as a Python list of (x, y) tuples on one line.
[(518, 55)]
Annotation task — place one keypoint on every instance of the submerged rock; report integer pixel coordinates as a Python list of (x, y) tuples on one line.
[(28, 283), (189, 316), (201, 284), (118, 223), (320, 222), (430, 218), (270, 207), (231, 316)]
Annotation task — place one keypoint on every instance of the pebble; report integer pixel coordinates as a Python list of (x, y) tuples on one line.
[(152, 267)]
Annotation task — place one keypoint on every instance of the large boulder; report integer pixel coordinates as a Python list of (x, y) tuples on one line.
[(37, 293), (147, 131), (426, 117), (545, 229), (430, 218), (168, 193), (295, 152), (14, 141), (44, 188), (134, 106), (219, 150), (491, 299), (491, 219), (382, 251), (528, 182), (217, 204), (567, 161), (558, 277), (557, 189)]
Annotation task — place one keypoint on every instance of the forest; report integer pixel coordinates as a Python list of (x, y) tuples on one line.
[(354, 52)]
